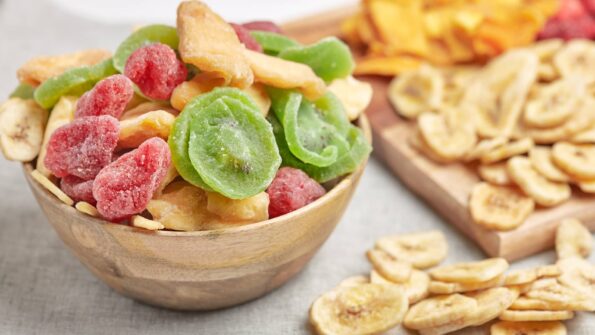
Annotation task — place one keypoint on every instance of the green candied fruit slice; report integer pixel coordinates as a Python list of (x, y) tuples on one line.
[(273, 43), (221, 142), (23, 91), (156, 33), (358, 150), (72, 82), (329, 58)]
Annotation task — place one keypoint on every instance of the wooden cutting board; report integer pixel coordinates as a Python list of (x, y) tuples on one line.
[(445, 187)]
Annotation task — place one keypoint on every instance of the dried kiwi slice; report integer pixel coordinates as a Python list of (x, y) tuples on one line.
[(329, 58), (155, 33), (72, 82), (221, 142), (273, 43), (23, 91)]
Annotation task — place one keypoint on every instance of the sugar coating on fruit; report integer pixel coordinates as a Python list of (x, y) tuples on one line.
[(156, 70), (125, 187), (263, 26), (78, 189), (290, 190), (109, 97), (245, 37), (83, 147)]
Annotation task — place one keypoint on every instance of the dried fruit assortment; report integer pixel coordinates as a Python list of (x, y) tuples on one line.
[(445, 299), (524, 122), (206, 125)]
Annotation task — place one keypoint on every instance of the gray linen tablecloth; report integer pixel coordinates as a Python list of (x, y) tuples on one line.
[(44, 289)]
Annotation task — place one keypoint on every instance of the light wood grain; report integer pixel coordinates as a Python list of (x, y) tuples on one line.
[(446, 188)]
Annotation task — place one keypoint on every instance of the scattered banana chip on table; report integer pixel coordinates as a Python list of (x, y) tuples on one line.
[(422, 250), (528, 328), (388, 266)]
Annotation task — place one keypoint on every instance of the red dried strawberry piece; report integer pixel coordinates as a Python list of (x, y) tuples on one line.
[(290, 190), (589, 6), (156, 70), (583, 27), (570, 9), (246, 38), (83, 147), (109, 97), (78, 189), (263, 26), (125, 187)]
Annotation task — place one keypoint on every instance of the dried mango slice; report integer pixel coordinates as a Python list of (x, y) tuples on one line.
[(507, 150), (62, 114), (415, 92), (573, 239), (528, 328), (471, 272), (499, 207), (555, 103), (355, 95), (438, 311), (495, 174), (422, 250), (577, 160), (39, 69), (273, 43), (543, 191), (388, 266), (253, 209), (280, 73), (134, 131), (211, 44), (155, 33), (541, 158), (361, 309), (22, 124)]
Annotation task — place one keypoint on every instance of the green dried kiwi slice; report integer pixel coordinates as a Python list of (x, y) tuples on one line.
[(155, 33), (329, 58), (352, 154), (272, 43), (72, 82), (23, 91)]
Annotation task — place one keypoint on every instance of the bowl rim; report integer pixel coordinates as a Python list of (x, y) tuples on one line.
[(344, 184)]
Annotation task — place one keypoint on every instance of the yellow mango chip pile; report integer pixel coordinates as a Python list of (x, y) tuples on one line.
[(396, 36)]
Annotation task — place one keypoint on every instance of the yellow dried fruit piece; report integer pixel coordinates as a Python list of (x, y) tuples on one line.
[(511, 315), (495, 174), (418, 143), (545, 192), (528, 304), (554, 103), (576, 58), (586, 136), (578, 160), (579, 275), (483, 147), (354, 281), (361, 309), (390, 267), (355, 95), (586, 186), (507, 150), (490, 304), (415, 92), (416, 287), (211, 44), (526, 276), (253, 209), (170, 176), (528, 328), (440, 287), (564, 295), (470, 272), (446, 137), (438, 311), (86, 208), (141, 222), (22, 124), (573, 239), (499, 207), (134, 131), (146, 107), (422, 250), (40, 69), (280, 73), (62, 114), (48, 185), (541, 158)]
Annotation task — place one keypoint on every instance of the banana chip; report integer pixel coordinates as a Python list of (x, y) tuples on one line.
[(418, 143), (542, 161), (416, 287), (579, 275), (545, 51), (416, 92), (355, 95), (555, 103), (355, 281), (578, 160), (471, 272), (440, 287), (573, 239), (528, 304), (545, 192), (361, 309), (528, 328), (422, 250), (586, 186), (586, 136), (507, 150), (439, 311), (511, 315), (490, 304), (211, 44), (390, 267), (445, 136), (253, 209), (526, 276), (499, 207), (495, 174), (134, 131), (485, 146), (22, 124), (577, 57), (561, 294), (62, 114)]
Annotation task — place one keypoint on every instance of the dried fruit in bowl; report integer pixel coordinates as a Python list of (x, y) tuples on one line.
[(156, 33), (110, 96), (22, 123), (290, 190), (273, 43)]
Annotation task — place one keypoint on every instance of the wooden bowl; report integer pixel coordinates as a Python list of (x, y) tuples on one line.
[(201, 270)]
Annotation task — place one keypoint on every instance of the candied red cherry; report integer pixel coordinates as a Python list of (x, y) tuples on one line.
[(78, 189), (125, 187), (156, 70), (263, 26), (246, 38), (109, 97), (290, 190), (83, 147)]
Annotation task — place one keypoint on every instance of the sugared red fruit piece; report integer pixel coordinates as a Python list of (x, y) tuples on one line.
[(83, 147), (589, 5), (571, 9), (263, 26), (78, 189), (156, 70), (245, 37), (290, 190), (125, 187), (582, 27), (109, 97)]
